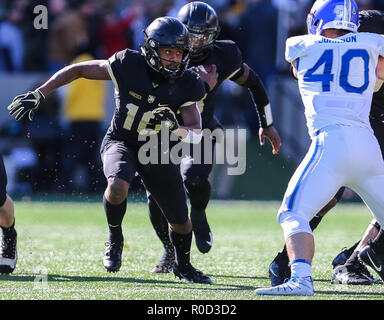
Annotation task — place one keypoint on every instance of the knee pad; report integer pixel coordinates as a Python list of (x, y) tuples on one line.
[(293, 223), (199, 191)]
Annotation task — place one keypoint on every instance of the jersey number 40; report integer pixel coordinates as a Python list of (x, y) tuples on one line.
[(326, 77)]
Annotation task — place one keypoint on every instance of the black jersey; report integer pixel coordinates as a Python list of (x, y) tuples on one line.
[(228, 60), (139, 90), (377, 108)]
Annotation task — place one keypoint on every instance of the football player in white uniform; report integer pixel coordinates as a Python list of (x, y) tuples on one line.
[(348, 269), (336, 69)]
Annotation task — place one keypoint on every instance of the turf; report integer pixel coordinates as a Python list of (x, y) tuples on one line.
[(62, 243)]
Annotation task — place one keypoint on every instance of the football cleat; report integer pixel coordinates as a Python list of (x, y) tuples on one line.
[(342, 257), (295, 286), (369, 256), (112, 256), (191, 274), (8, 253), (279, 269), (202, 231), (166, 263), (355, 274)]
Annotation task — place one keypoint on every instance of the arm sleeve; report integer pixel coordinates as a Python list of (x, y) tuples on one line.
[(116, 66), (197, 91), (236, 65), (260, 99), (293, 48)]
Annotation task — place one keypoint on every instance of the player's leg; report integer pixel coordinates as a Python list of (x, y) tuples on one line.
[(352, 271), (370, 187), (195, 176), (373, 254), (119, 164), (165, 184), (316, 180), (279, 269), (371, 192), (160, 224), (8, 254)]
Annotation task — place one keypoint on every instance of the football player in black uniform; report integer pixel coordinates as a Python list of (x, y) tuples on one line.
[(150, 88), (225, 60), (347, 267), (8, 250)]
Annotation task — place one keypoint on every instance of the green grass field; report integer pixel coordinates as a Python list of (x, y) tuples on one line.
[(63, 242)]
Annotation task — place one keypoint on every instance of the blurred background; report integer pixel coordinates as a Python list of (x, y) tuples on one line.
[(58, 153)]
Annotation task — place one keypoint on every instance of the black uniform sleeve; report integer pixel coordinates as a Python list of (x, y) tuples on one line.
[(233, 55), (196, 89), (256, 88), (118, 62)]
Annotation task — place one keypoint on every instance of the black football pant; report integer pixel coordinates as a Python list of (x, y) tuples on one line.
[(3, 182)]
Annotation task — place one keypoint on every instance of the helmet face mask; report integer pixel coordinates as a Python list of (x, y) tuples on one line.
[(203, 25), (335, 14), (166, 32)]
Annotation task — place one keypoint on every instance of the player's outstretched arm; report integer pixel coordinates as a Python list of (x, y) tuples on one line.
[(93, 70), (27, 103)]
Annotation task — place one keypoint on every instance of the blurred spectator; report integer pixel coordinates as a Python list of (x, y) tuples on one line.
[(36, 39), (69, 30), (84, 107), (259, 34), (44, 137), (115, 32), (11, 40)]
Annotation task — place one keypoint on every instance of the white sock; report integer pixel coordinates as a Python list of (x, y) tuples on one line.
[(301, 268)]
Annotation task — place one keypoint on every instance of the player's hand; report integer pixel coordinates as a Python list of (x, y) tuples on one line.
[(25, 103), (165, 114), (208, 74), (271, 134)]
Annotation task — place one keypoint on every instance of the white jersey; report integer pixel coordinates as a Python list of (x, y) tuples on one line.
[(336, 77)]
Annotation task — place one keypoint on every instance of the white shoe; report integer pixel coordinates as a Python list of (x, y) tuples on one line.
[(293, 287)]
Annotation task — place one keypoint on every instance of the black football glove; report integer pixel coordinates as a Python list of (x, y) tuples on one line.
[(168, 116), (25, 103)]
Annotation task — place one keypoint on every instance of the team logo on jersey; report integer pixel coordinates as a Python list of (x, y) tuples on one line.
[(151, 99), (134, 94)]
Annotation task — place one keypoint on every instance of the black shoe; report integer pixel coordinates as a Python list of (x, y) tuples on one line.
[(342, 257), (352, 274), (370, 257), (191, 274), (112, 255), (8, 253), (166, 263), (279, 269), (202, 231)]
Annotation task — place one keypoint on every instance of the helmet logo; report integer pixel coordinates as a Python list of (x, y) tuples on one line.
[(152, 43), (339, 11)]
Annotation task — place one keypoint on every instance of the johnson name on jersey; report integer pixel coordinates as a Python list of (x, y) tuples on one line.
[(336, 77)]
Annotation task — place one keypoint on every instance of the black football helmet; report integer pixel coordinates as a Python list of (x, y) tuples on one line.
[(203, 26), (371, 21), (166, 32)]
